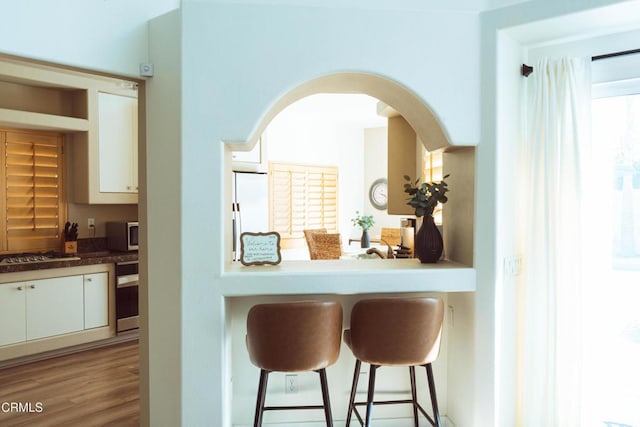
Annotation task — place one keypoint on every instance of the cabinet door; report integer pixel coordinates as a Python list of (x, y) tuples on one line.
[(118, 143), (54, 306), (96, 300), (12, 313)]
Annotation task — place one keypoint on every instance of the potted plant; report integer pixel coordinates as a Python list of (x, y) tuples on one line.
[(365, 222), (424, 197)]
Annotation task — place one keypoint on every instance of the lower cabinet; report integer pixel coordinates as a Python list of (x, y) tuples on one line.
[(13, 327), (60, 308), (96, 300), (54, 306)]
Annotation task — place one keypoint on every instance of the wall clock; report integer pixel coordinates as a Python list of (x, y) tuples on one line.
[(378, 194)]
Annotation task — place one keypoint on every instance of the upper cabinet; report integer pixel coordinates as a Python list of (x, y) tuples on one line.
[(105, 160), (403, 158), (118, 143), (97, 114)]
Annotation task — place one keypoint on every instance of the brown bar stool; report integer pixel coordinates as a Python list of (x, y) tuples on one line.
[(294, 337), (395, 332)]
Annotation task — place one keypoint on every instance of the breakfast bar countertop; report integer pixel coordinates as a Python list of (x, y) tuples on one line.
[(346, 277)]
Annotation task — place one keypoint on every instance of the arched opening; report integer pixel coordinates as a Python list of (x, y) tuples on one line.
[(393, 101), (398, 97)]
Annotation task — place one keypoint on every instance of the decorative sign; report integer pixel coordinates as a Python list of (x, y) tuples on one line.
[(260, 248)]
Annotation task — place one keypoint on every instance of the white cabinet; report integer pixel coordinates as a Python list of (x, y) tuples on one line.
[(96, 300), (50, 309), (12, 313), (105, 159), (54, 306), (118, 143)]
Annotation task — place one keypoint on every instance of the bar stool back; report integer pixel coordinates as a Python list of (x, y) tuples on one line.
[(294, 337), (395, 332)]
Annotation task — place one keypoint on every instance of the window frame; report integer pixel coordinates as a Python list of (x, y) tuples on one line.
[(293, 236), (40, 239)]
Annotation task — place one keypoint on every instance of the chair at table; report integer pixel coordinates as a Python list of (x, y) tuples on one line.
[(395, 332), (308, 236), (390, 236), (294, 337), (327, 245)]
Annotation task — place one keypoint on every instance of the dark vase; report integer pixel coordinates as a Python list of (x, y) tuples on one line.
[(364, 240), (428, 244)]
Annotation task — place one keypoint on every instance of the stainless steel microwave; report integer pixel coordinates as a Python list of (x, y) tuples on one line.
[(122, 235)]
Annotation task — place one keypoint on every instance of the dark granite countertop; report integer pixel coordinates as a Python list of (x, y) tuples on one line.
[(82, 258)]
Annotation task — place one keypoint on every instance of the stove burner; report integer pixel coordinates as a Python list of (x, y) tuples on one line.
[(35, 257)]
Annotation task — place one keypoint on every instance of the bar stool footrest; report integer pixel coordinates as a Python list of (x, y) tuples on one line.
[(392, 402), (287, 408)]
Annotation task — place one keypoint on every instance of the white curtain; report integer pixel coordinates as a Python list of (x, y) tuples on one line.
[(556, 152)]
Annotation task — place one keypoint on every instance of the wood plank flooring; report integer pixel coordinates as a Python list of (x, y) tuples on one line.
[(98, 387)]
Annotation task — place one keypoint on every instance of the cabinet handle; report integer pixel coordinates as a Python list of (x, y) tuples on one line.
[(32, 286), (89, 279), (19, 288)]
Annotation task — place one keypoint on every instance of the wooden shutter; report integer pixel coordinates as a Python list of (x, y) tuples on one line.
[(302, 197), (33, 200)]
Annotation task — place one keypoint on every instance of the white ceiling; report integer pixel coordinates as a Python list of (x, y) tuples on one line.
[(609, 19)]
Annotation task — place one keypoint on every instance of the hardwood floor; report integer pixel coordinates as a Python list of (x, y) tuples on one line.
[(98, 387)]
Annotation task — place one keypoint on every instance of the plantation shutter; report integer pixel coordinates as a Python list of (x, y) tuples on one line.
[(302, 197), (33, 181)]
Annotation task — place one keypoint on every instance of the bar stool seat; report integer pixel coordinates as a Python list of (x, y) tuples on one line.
[(395, 332), (294, 337)]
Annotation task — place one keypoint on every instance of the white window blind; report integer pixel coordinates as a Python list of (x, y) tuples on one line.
[(33, 202), (302, 197)]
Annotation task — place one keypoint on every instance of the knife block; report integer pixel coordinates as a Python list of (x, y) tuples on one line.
[(70, 247)]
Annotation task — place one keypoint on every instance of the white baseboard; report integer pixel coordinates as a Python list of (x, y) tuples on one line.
[(390, 422)]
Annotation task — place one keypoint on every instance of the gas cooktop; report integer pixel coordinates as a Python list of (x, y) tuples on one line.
[(28, 258)]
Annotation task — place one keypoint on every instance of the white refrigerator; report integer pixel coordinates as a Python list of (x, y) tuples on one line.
[(250, 206)]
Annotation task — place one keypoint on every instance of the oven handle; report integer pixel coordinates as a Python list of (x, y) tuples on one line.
[(127, 281)]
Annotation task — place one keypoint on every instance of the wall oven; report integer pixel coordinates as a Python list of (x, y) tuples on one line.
[(126, 296)]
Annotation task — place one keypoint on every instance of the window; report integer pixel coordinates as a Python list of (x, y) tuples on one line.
[(302, 197), (616, 127), (33, 203), (612, 337)]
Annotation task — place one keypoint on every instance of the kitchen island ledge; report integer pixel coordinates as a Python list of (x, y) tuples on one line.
[(344, 277)]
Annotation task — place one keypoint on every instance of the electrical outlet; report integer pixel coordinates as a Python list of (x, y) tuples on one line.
[(290, 384), (512, 266), (91, 223)]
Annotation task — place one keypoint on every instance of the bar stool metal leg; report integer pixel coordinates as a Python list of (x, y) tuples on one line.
[(325, 397), (414, 395), (432, 393), (354, 386), (372, 384), (262, 392)]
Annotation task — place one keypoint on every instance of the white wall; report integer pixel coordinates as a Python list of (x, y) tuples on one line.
[(163, 375), (227, 87), (99, 35)]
